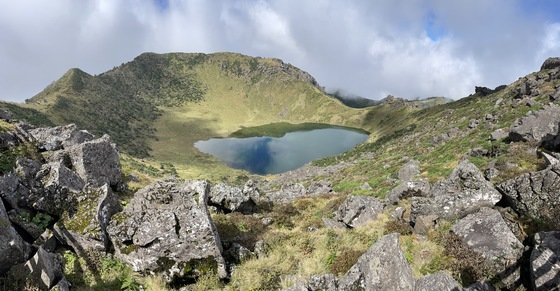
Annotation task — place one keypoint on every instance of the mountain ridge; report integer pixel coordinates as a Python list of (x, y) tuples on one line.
[(146, 104)]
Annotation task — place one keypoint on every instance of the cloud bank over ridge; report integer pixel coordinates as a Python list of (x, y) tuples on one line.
[(369, 48)]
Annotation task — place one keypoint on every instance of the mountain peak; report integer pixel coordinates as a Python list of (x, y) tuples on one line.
[(551, 63)]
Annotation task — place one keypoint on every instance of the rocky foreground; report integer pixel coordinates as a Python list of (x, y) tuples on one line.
[(66, 191)]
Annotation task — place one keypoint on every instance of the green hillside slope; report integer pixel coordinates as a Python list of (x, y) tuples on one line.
[(158, 105)]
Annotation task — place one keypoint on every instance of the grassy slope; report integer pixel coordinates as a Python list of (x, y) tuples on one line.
[(232, 102), (389, 153), (159, 105)]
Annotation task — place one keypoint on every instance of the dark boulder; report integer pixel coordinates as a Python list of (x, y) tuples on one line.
[(44, 270), (551, 63), (5, 115), (237, 253), (535, 194), (482, 91), (13, 250), (545, 261), (7, 140)]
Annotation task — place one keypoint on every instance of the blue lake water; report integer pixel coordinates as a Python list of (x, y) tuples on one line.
[(272, 155)]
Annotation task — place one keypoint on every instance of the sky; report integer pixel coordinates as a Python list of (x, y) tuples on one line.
[(370, 48)]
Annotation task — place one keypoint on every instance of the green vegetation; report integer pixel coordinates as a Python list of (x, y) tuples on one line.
[(42, 220), (23, 112), (279, 129), (8, 157), (95, 271), (299, 245)]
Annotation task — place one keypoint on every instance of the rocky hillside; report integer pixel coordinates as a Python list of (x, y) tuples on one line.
[(459, 196)]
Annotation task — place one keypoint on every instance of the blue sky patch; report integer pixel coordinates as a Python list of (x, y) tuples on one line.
[(433, 28), (162, 4)]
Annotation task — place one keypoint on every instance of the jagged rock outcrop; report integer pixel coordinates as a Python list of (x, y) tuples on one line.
[(382, 267), (108, 205), (22, 219), (534, 194), (540, 127), (44, 269), (464, 191), (80, 243), (358, 210), (251, 189), (97, 162), (84, 227), (57, 175), (55, 138), (61, 186), (13, 249), (486, 233), (440, 281), (545, 261), (166, 227), (64, 186), (237, 253), (27, 169), (551, 63), (229, 198)]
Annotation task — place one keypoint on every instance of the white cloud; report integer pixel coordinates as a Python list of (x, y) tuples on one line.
[(551, 42), (370, 48), (272, 30), (433, 68)]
